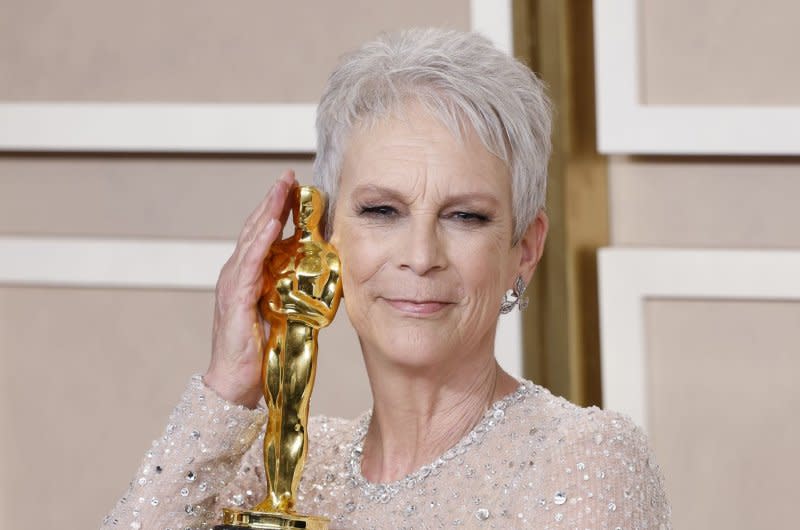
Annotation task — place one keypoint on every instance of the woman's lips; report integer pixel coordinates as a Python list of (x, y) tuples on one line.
[(426, 307)]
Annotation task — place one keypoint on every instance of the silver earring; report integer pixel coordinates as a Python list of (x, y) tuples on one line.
[(514, 297)]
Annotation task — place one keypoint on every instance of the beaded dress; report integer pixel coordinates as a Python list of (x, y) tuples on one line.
[(533, 461)]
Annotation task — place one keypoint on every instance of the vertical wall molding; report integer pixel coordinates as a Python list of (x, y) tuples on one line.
[(561, 332)]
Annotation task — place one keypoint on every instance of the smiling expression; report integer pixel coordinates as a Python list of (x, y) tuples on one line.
[(423, 225)]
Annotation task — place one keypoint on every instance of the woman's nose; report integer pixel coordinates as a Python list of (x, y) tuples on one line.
[(423, 250)]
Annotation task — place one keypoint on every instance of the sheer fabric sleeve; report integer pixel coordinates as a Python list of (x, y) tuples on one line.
[(180, 480), (609, 476)]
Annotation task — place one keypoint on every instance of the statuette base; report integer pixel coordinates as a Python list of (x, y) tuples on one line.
[(239, 520)]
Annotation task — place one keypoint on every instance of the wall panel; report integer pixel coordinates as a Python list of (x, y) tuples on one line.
[(722, 380), (192, 51), (712, 202), (191, 197), (718, 52), (713, 338), (716, 57)]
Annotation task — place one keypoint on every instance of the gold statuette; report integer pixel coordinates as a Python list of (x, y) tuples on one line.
[(302, 289)]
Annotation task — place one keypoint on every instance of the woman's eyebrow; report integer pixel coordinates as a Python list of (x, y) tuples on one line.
[(475, 197), (375, 190), (382, 192)]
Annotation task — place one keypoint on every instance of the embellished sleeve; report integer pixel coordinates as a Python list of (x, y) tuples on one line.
[(607, 476), (204, 449)]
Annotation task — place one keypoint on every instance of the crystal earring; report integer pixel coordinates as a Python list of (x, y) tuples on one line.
[(515, 297)]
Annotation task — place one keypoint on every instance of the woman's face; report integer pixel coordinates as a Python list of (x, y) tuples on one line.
[(423, 226)]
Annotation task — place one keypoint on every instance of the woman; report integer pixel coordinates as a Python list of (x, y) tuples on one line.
[(433, 148)]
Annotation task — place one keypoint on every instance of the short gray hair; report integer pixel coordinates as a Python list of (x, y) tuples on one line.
[(463, 80)]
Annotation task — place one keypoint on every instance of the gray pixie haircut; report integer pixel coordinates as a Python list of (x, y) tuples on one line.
[(463, 80)]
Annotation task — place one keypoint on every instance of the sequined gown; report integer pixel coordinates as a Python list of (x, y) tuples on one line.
[(533, 461)]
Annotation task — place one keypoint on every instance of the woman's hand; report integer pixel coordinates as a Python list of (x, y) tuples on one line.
[(238, 335)]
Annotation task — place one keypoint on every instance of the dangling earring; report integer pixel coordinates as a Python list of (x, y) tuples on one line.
[(514, 297)]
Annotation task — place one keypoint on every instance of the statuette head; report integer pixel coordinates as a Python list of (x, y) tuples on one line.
[(310, 204)]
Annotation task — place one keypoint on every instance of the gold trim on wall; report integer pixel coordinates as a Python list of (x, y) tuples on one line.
[(561, 327)]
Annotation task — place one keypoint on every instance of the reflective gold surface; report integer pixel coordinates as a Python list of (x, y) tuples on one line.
[(272, 521), (302, 289)]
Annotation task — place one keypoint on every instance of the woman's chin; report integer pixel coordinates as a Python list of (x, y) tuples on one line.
[(420, 350), (413, 336), (414, 362)]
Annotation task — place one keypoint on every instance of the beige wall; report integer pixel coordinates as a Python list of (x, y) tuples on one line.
[(89, 375), (192, 50), (723, 394), (720, 382), (705, 202), (718, 52), (142, 196)]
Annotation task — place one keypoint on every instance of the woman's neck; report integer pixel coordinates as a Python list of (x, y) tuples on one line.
[(418, 416)]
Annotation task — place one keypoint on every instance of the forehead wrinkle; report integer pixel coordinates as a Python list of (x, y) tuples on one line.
[(419, 181), (421, 158)]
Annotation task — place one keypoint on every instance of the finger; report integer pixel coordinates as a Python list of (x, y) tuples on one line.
[(282, 203), (289, 181), (288, 178), (258, 211), (274, 206), (252, 264), (287, 206), (258, 228), (273, 198)]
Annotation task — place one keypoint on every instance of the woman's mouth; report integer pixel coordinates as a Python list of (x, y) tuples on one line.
[(417, 307)]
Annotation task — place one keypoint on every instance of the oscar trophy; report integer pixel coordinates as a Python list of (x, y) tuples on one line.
[(302, 289)]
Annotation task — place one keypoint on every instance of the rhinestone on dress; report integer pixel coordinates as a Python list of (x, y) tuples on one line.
[(383, 493), (532, 465)]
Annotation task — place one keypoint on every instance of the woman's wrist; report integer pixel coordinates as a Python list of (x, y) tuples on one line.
[(231, 391)]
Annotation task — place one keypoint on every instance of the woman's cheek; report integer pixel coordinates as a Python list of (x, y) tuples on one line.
[(368, 255), (361, 259), (483, 268), (483, 310)]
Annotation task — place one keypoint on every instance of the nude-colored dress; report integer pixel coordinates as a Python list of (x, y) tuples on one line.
[(534, 461)]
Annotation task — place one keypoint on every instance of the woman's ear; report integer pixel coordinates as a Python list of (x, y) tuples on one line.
[(532, 245)]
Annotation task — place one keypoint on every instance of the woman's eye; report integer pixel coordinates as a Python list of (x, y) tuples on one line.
[(471, 217), (380, 211)]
